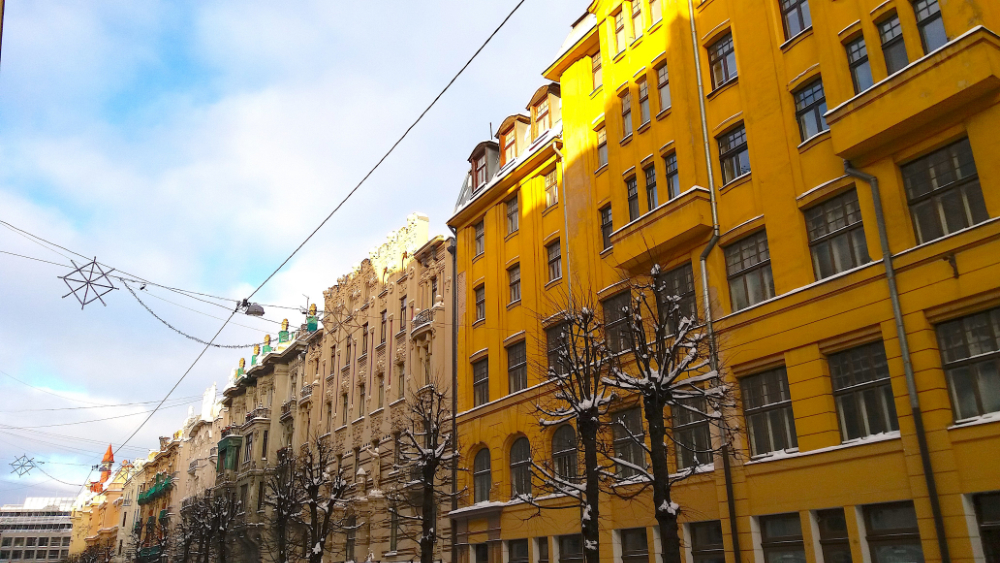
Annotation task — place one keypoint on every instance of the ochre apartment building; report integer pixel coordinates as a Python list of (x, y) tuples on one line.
[(819, 173)]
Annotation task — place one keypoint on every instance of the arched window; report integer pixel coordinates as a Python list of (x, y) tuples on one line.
[(481, 475), (564, 453), (520, 468)]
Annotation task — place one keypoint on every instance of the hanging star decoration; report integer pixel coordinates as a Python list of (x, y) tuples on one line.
[(22, 465), (89, 283)]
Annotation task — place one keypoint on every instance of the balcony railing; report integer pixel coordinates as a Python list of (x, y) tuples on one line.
[(306, 392), (422, 319), (259, 412), (286, 409), (230, 430)]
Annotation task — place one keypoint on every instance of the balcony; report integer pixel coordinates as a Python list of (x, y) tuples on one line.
[(286, 410), (230, 431), (306, 393), (258, 414), (193, 467), (686, 218), (422, 321), (951, 80)]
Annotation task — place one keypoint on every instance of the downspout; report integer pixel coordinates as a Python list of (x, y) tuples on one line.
[(453, 249), (904, 348), (565, 241), (727, 468)]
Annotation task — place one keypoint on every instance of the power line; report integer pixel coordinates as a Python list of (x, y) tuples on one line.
[(46, 391), (35, 259), (115, 405), (392, 148), (172, 389), (8, 427)]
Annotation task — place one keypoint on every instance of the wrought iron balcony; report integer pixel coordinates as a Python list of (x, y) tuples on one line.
[(422, 320)]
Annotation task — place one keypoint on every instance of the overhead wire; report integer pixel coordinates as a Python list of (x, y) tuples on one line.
[(391, 149)]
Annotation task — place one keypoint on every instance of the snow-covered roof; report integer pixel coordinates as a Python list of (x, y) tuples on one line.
[(466, 196), (581, 28)]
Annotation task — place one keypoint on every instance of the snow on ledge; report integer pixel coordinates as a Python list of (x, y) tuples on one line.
[(785, 454)]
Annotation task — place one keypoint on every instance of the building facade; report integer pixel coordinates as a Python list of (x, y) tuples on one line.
[(820, 180), (38, 530)]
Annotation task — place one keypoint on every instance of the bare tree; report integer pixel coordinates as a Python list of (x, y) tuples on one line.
[(189, 530), (579, 365), (220, 516), (321, 492), (666, 361), (425, 452), (284, 506)]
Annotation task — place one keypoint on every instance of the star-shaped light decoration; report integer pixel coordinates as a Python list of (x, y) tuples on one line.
[(22, 465), (88, 283)]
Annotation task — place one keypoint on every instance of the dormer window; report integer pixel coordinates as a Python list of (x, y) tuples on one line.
[(479, 174), (510, 146), (543, 119)]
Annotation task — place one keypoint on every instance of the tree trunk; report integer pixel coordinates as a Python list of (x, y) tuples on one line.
[(221, 556), (428, 536), (666, 514), (281, 539), (590, 519)]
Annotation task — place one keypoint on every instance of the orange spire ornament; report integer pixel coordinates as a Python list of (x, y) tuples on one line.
[(106, 464)]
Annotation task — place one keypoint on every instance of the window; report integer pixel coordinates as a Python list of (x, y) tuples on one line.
[(768, 410), (551, 189), (514, 282), (480, 303), (361, 400), (480, 170), (517, 551), (617, 310), (626, 101), (602, 147), (706, 542), (892, 531), (857, 61), (260, 495), (734, 156), (673, 177), (481, 382), (364, 339), (655, 11), (748, 266), (637, 18), (628, 437), (402, 313), (381, 392), (619, 31), (863, 392), (930, 24), (351, 533), (607, 227), (434, 290), (676, 284), (634, 546), (795, 17), (781, 538), (893, 48), (970, 352), (520, 468), (481, 476), (393, 531), (652, 200), (510, 146), (632, 189), (571, 549), (554, 253), (347, 354), (383, 330), (344, 401), (244, 493), (556, 338), (596, 70), (943, 191), (836, 237), (480, 238), (248, 448), (543, 550), (543, 120), (482, 553), (517, 368), (722, 60), (565, 458), (833, 536), (643, 102), (512, 215), (810, 105), (988, 516), (692, 434), (663, 83)]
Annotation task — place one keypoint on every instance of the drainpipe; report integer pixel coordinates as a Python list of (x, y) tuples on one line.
[(727, 468), (453, 249), (565, 239), (904, 348)]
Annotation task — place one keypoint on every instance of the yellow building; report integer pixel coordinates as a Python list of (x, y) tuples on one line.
[(724, 130)]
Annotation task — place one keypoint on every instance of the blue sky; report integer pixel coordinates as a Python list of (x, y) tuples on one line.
[(195, 143)]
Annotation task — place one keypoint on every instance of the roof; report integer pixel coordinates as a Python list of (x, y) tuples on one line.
[(509, 122), (580, 31), (550, 88)]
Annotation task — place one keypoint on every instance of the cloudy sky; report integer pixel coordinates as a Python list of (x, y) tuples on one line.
[(195, 143)]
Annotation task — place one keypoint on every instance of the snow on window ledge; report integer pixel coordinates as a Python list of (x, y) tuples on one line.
[(988, 418), (790, 454)]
